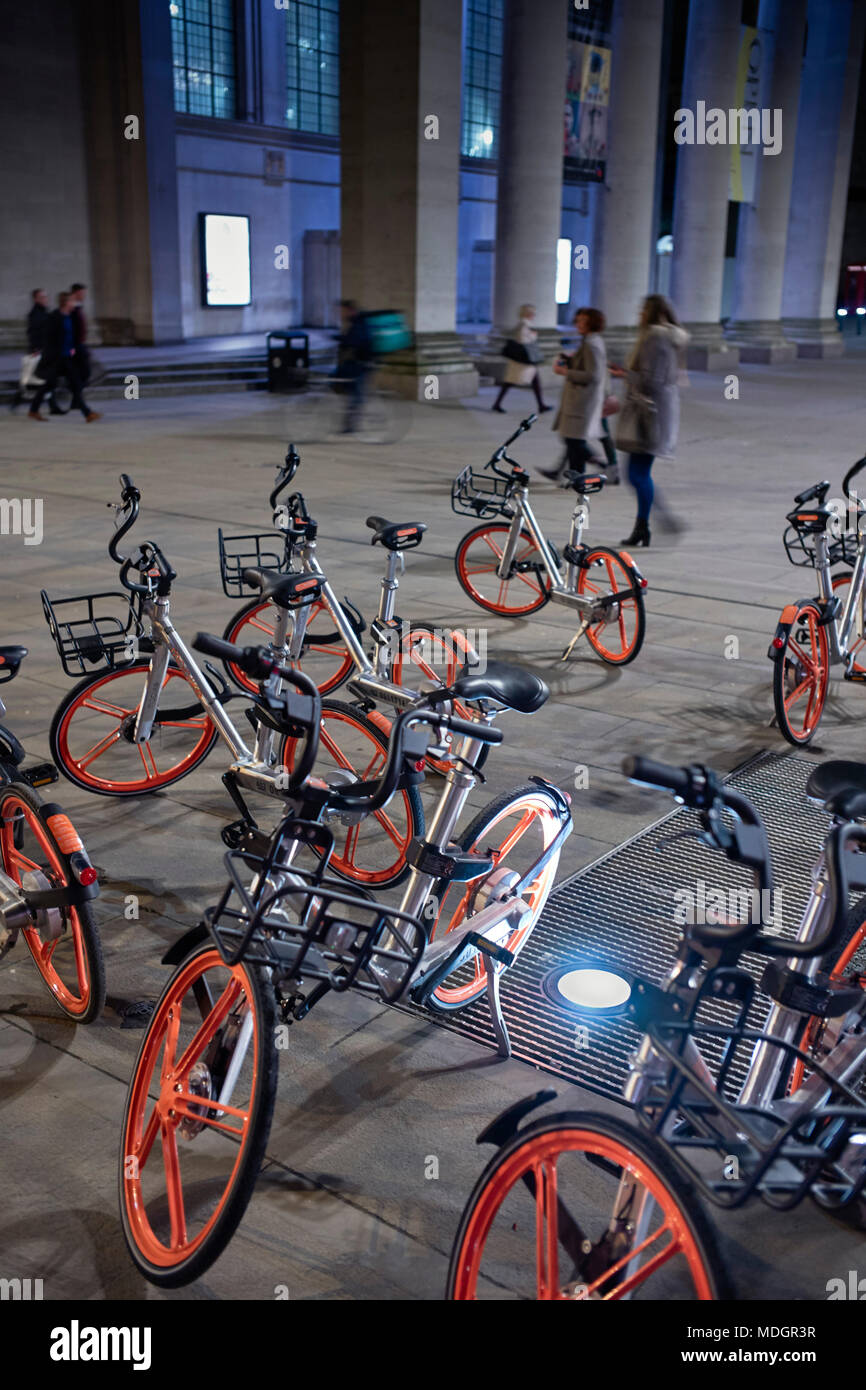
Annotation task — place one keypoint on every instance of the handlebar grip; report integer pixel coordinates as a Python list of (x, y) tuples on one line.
[(672, 779), (472, 729), (126, 482), (209, 645)]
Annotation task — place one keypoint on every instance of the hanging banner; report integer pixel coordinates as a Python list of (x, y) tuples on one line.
[(752, 80), (587, 99)]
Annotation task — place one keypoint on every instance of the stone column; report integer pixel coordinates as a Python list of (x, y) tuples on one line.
[(529, 186), (131, 182), (625, 227), (755, 325), (703, 175), (400, 72), (822, 165)]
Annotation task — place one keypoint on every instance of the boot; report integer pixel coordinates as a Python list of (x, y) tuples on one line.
[(639, 536)]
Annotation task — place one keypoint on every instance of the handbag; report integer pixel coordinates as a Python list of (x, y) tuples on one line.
[(636, 426), (516, 352)]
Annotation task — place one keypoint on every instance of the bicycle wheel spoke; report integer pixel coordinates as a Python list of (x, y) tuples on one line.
[(546, 1226), (643, 1272), (103, 707), (215, 1019), (98, 749), (173, 1187)]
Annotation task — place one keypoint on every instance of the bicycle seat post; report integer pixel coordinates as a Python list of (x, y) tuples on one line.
[(384, 650)]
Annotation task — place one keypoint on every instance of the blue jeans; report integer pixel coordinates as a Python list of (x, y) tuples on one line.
[(640, 477)]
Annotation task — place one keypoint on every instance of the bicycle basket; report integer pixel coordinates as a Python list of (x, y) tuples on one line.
[(306, 924), (481, 495), (800, 548), (732, 1151), (238, 553), (94, 633)]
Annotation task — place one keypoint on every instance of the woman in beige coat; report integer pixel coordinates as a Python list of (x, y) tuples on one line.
[(585, 381), (522, 373)]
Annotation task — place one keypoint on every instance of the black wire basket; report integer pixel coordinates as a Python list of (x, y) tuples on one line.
[(731, 1151), (237, 553), (481, 495), (94, 633), (800, 548), (315, 926)]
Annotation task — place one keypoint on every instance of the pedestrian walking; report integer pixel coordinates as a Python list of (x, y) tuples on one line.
[(77, 296), (59, 359), (648, 424), (522, 357), (37, 319), (584, 374)]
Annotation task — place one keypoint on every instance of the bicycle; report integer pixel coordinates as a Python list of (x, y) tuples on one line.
[(814, 634), (47, 881), (794, 1128), (508, 566), (327, 410), (324, 640), (207, 1067)]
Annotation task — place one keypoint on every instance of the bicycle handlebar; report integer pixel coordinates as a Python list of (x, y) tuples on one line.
[(852, 473), (501, 451), (285, 475), (746, 843), (308, 711)]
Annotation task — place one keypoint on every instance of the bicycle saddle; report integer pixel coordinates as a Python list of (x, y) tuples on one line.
[(10, 659), (840, 787), (284, 590), (511, 686), (396, 535), (584, 482)]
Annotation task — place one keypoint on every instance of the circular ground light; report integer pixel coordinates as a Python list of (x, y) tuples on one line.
[(590, 991)]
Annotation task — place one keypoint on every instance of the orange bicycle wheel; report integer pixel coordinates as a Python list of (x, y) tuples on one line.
[(189, 1155), (325, 658), (538, 1224), (801, 674), (618, 636), (66, 951), (513, 831), (479, 553), (90, 733)]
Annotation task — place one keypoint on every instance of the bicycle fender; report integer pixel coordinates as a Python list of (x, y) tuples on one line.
[(784, 625), (185, 944), (506, 1125)]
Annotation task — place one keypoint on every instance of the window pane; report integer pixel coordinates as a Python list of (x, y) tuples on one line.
[(203, 53), (482, 79), (312, 66)]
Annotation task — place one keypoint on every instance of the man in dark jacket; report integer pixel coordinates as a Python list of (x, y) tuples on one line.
[(77, 294), (37, 320), (59, 358)]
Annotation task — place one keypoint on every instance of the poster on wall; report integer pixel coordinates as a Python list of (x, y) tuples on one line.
[(225, 260), (587, 99), (751, 81)]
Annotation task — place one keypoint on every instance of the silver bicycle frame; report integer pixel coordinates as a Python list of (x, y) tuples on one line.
[(563, 589), (851, 618)]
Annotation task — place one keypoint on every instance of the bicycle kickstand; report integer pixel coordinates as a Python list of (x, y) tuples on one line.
[(494, 1004), (575, 639)]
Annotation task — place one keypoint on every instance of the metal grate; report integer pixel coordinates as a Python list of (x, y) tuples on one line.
[(618, 912)]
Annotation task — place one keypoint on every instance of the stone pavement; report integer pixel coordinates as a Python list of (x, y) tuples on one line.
[(343, 1209)]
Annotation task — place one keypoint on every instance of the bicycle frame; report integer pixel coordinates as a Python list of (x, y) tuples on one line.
[(840, 627), (563, 587), (253, 767)]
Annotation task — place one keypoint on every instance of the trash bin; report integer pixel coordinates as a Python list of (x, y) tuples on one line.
[(288, 360)]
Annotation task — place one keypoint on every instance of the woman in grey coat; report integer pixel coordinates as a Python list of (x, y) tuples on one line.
[(585, 381), (649, 422)]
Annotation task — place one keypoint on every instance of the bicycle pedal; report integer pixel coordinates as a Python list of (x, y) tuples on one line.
[(855, 677), (40, 774)]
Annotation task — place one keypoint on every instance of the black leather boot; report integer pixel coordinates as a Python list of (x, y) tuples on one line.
[(639, 536)]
